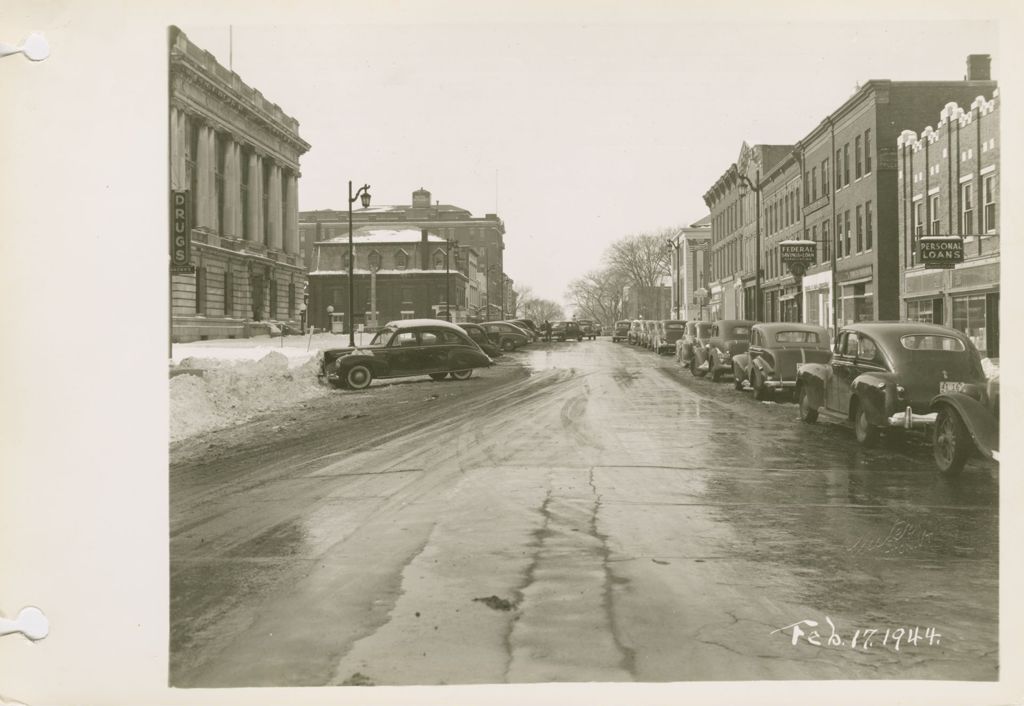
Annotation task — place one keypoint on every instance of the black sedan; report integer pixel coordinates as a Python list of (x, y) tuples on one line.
[(479, 336), (402, 349)]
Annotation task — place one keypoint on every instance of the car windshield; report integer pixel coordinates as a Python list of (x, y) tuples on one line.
[(796, 337), (383, 337), (932, 342)]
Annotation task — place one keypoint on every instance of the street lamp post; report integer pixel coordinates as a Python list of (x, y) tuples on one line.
[(363, 194), (490, 268), (757, 242), (448, 277), (674, 243)]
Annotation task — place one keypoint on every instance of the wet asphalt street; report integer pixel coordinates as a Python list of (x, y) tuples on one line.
[(581, 512)]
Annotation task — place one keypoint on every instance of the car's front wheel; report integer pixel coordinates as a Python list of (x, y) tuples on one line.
[(951, 443), (358, 377), (462, 374), (863, 429), (438, 376)]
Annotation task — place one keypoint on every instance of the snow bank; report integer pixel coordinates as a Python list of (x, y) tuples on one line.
[(231, 391)]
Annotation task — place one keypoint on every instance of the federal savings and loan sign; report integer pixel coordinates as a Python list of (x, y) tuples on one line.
[(941, 251), (802, 252)]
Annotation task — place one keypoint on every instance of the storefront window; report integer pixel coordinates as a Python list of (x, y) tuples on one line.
[(813, 313), (969, 317), (928, 311), (857, 303)]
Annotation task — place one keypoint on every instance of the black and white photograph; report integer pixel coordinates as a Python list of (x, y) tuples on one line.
[(606, 353)]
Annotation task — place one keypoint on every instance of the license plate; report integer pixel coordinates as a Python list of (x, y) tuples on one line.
[(946, 386)]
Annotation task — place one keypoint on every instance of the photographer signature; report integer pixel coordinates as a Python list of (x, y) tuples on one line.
[(863, 638)]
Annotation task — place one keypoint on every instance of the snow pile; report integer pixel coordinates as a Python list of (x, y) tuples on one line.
[(233, 391)]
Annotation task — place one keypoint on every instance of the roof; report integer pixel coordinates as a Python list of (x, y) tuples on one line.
[(414, 323), (364, 235)]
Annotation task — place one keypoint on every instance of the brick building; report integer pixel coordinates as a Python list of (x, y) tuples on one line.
[(486, 236), (398, 273), (949, 186), (691, 274), (237, 156)]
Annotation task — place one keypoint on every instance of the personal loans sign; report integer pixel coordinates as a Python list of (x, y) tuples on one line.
[(181, 240), (941, 251)]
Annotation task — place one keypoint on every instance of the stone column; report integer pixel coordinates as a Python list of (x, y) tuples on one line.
[(204, 173), (252, 217), (274, 212), (261, 230), (291, 216), (232, 196), (178, 146)]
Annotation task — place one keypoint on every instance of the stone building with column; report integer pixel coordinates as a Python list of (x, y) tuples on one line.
[(237, 155)]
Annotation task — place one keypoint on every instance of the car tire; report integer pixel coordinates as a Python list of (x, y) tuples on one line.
[(863, 429), (808, 412), (438, 376), (761, 391), (461, 374), (358, 377), (951, 442), (508, 344)]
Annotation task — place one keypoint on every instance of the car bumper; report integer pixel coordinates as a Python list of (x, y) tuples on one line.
[(780, 384), (908, 420)]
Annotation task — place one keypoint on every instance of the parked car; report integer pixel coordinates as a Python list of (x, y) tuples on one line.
[(728, 337), (886, 375), (591, 329), (565, 330), (769, 365), (667, 332), (695, 339), (528, 326), (479, 336), (620, 332), (505, 336), (966, 422), (402, 349), (634, 332)]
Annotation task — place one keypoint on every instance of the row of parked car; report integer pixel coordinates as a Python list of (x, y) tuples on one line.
[(877, 377)]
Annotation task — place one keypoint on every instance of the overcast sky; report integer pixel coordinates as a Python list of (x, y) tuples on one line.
[(574, 134)]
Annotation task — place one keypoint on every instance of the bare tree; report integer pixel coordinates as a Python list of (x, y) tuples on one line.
[(541, 310), (643, 261), (597, 295)]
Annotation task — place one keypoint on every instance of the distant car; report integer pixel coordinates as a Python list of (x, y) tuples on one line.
[(966, 422), (728, 337), (479, 336), (591, 329), (633, 336), (505, 336), (667, 333), (402, 349), (693, 341), (891, 375), (565, 330), (769, 365), (528, 326), (620, 332)]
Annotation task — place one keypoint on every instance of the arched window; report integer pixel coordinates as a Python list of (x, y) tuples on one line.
[(374, 260), (439, 259), (401, 260)]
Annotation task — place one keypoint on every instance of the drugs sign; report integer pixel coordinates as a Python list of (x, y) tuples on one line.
[(941, 251), (181, 232)]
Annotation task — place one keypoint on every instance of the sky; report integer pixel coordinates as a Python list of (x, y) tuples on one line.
[(576, 134)]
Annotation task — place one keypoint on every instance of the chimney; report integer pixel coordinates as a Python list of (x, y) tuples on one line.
[(424, 249), (979, 67)]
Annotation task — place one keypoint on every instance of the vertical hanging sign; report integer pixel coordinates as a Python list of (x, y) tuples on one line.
[(181, 234)]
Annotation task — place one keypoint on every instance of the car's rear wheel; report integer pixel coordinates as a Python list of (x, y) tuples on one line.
[(462, 374), (508, 344), (863, 429), (358, 377), (808, 412), (438, 376), (951, 443)]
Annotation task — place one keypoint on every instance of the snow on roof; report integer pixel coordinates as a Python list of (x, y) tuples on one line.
[(385, 235)]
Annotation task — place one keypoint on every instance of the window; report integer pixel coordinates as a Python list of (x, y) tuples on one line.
[(919, 218), (867, 151), (824, 176), (374, 260), (404, 338), (429, 338), (407, 295), (814, 238), (796, 205), (229, 294), (851, 345), (989, 213), (807, 183), (814, 184), (933, 211), (839, 235), (846, 227), (439, 260), (839, 169), (846, 164), (796, 337), (401, 260), (860, 229), (273, 299), (868, 228), (858, 157), (201, 290), (291, 299), (930, 342), (826, 242), (967, 209)]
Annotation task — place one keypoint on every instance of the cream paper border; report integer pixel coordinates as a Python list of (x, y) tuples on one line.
[(83, 208)]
